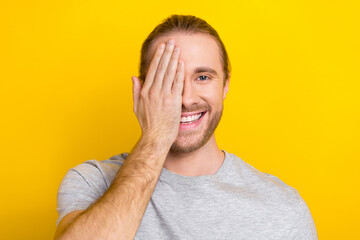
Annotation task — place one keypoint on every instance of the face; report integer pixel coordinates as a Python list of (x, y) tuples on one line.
[(203, 91)]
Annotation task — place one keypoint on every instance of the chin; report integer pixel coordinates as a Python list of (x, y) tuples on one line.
[(191, 142), (186, 145)]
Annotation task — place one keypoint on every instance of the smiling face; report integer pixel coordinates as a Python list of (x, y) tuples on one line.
[(203, 92)]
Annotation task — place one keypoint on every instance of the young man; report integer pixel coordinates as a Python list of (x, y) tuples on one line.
[(176, 183)]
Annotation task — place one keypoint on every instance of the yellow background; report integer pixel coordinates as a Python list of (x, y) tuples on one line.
[(292, 109)]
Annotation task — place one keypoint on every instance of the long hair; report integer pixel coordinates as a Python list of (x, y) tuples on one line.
[(180, 23)]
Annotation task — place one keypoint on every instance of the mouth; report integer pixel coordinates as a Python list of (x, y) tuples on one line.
[(191, 121)]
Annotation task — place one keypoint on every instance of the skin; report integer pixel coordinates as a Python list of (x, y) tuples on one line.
[(169, 89), (202, 91)]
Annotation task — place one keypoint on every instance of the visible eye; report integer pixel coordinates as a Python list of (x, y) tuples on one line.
[(203, 78)]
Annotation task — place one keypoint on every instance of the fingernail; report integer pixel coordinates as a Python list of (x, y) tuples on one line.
[(172, 42)]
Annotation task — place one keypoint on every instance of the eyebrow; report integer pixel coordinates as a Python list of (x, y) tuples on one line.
[(205, 69)]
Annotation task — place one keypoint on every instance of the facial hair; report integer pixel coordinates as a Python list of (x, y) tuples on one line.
[(188, 146)]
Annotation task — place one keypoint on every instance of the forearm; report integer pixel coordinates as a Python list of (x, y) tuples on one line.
[(118, 213)]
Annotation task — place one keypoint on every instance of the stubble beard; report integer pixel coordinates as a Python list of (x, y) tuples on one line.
[(186, 144)]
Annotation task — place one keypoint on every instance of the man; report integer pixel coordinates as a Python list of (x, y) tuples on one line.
[(176, 183)]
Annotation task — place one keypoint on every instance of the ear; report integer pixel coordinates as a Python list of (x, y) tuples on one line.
[(226, 87)]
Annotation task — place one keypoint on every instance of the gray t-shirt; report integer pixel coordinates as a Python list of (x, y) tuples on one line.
[(237, 202)]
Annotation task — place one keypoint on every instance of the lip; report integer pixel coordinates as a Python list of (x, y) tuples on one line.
[(194, 124)]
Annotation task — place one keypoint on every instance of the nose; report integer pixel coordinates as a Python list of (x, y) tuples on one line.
[(189, 95)]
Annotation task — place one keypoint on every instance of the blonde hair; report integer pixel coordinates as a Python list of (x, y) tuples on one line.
[(180, 23)]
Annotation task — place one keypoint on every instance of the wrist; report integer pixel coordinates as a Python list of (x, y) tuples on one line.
[(150, 145), (157, 141)]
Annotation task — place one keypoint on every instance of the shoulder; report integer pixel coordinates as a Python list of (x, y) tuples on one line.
[(94, 174), (95, 170), (265, 185), (277, 195), (279, 198), (85, 183)]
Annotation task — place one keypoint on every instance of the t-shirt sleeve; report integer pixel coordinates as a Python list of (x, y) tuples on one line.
[(81, 186), (304, 225)]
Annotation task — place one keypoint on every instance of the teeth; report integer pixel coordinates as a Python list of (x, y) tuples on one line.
[(191, 118)]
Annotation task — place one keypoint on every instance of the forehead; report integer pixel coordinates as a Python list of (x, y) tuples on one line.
[(196, 49)]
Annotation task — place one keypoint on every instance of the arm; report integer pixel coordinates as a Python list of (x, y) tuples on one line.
[(157, 105), (118, 213), (304, 225)]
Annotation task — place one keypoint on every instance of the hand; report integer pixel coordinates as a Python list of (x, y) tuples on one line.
[(157, 104)]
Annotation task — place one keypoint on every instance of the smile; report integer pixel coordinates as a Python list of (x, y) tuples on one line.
[(191, 121), (191, 118)]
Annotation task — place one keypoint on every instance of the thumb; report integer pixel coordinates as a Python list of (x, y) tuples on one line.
[(136, 91)]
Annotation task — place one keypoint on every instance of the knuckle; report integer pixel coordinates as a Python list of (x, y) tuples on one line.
[(168, 73), (152, 93), (162, 66), (143, 94)]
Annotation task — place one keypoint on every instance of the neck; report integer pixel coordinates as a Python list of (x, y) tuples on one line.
[(203, 161)]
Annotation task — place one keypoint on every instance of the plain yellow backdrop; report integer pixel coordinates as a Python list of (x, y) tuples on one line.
[(292, 109)]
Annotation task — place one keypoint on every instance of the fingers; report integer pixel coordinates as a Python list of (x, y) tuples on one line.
[(171, 71), (178, 85), (163, 64), (136, 92), (164, 70), (153, 66)]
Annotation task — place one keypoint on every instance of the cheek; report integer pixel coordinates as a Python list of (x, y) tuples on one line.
[(213, 96)]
